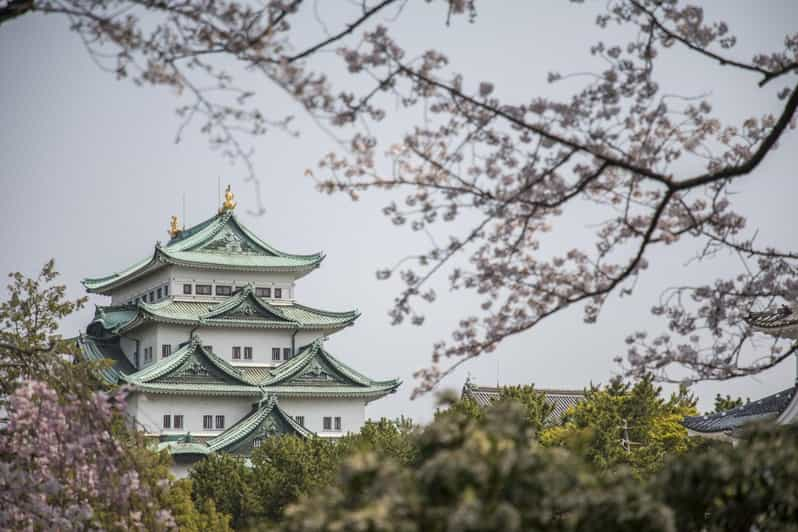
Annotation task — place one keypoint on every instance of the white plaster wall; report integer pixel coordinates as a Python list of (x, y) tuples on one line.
[(223, 339), (351, 411), (150, 409), (128, 346), (181, 275), (147, 337), (141, 286), (176, 276)]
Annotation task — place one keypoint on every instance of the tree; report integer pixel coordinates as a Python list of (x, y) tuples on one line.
[(388, 439), (750, 486), (229, 483), (658, 165), (533, 402), (68, 460), (475, 474), (72, 464), (63, 469), (30, 346), (624, 424), (490, 474), (723, 404)]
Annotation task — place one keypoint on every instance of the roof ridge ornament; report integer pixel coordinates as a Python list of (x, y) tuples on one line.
[(174, 229), (229, 202), (195, 340)]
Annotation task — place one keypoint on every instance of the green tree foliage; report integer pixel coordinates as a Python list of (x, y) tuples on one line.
[(83, 436), (491, 474), (724, 403), (394, 439), (623, 424), (477, 474), (750, 486), (30, 346), (228, 482), (284, 468), (533, 402)]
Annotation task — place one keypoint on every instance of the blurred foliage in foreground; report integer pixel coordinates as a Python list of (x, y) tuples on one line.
[(499, 468)]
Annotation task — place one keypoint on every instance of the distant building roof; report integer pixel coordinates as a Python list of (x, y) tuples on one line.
[(728, 423), (560, 400), (780, 321)]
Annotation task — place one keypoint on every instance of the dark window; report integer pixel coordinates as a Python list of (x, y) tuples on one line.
[(219, 422), (327, 423), (247, 353), (203, 289), (166, 350), (275, 353), (187, 289), (263, 292), (167, 421), (286, 353), (208, 348), (256, 443), (236, 353), (159, 292), (178, 422), (222, 290), (207, 422), (152, 297), (278, 293), (337, 423), (300, 420), (166, 290)]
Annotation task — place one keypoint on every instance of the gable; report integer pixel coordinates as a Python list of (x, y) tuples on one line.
[(245, 306), (191, 365), (249, 309), (231, 239), (314, 367), (320, 373), (197, 368), (272, 425)]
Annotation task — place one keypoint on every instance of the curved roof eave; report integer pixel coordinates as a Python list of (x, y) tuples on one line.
[(192, 238)]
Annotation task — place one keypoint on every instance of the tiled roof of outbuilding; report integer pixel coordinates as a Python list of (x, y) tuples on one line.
[(763, 409), (560, 400)]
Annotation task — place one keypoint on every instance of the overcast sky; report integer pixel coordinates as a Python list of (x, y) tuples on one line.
[(91, 174)]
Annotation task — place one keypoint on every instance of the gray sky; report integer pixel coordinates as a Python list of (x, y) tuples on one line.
[(90, 175)]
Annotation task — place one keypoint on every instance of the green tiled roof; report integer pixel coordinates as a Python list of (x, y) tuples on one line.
[(182, 447), (93, 350), (192, 370), (315, 372), (188, 366), (207, 390), (221, 242), (266, 419), (229, 313), (247, 426)]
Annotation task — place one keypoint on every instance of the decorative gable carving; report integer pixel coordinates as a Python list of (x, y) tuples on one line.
[(193, 369), (317, 373), (249, 309), (273, 425), (230, 240), (197, 369)]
